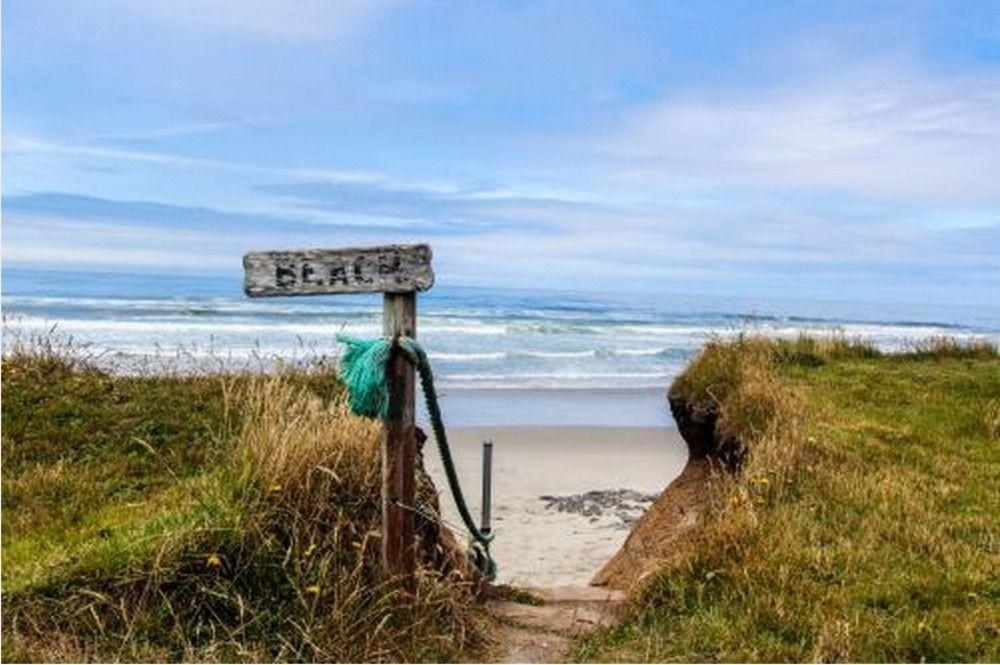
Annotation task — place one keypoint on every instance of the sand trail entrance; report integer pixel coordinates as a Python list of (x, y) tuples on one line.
[(564, 498), (543, 633)]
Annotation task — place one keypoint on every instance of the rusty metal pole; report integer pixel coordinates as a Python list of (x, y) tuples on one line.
[(486, 522)]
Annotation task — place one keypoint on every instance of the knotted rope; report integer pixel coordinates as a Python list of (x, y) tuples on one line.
[(363, 371)]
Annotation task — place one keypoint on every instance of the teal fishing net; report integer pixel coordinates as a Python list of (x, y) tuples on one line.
[(362, 369)]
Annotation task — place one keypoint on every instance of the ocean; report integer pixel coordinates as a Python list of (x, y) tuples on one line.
[(483, 341)]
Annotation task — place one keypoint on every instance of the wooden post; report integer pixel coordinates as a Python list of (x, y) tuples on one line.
[(399, 445), (398, 271)]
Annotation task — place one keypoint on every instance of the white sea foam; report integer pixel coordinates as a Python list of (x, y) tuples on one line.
[(556, 354), (169, 328), (476, 339), (490, 355), (638, 352)]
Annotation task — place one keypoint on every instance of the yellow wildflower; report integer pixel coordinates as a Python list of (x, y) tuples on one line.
[(213, 561), (276, 487), (312, 590)]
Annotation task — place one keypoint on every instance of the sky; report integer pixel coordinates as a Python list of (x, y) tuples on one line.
[(795, 149)]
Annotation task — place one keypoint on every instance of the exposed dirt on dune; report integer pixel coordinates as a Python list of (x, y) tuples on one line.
[(675, 516), (660, 530)]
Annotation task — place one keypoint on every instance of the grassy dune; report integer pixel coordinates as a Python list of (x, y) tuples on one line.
[(235, 517), (202, 518), (864, 522)]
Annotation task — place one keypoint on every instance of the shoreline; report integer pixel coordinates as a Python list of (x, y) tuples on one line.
[(555, 407)]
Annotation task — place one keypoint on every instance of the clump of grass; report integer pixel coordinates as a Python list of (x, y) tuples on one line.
[(732, 385), (949, 348), (991, 418), (861, 525), (302, 447), (46, 353), (723, 368), (235, 517), (809, 351)]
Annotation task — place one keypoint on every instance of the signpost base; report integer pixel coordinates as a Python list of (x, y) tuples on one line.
[(399, 318), (398, 271)]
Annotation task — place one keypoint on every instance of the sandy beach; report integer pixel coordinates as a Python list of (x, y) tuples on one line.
[(564, 496)]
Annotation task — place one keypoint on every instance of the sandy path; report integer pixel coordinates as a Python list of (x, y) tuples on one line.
[(537, 545), (544, 633)]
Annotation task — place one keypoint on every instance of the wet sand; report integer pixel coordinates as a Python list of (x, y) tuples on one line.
[(598, 407), (559, 509)]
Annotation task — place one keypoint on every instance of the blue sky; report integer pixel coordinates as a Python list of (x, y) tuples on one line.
[(827, 150)]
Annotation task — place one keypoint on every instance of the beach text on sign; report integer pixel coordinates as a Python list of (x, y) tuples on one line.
[(388, 269)]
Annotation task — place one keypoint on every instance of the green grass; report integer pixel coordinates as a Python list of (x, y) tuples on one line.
[(212, 517), (236, 517), (863, 525)]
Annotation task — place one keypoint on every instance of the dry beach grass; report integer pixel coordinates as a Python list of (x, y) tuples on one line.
[(201, 517)]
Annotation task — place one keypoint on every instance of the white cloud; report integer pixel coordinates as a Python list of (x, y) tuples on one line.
[(29, 145), (874, 131)]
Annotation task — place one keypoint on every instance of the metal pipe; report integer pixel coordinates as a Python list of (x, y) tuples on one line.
[(487, 484)]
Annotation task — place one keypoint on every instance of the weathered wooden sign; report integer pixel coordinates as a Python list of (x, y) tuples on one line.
[(398, 271), (389, 269)]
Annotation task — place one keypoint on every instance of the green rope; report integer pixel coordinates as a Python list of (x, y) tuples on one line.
[(363, 372)]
